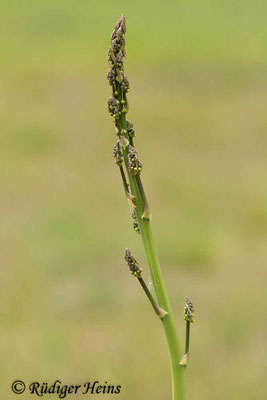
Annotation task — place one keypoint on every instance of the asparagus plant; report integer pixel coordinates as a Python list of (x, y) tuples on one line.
[(189, 319), (130, 167)]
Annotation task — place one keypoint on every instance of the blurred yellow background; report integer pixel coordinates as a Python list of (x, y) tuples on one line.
[(198, 90)]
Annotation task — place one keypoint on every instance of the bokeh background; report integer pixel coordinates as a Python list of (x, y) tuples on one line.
[(69, 308)]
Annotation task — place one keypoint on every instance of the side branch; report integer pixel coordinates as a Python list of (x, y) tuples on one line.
[(137, 272)]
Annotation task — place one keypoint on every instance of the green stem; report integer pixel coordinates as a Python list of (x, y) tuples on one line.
[(141, 190), (124, 181), (159, 311), (187, 337), (178, 386)]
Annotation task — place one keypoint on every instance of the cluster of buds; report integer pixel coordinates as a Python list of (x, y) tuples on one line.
[(130, 129), (117, 153), (113, 107), (135, 223), (134, 165), (132, 264), (189, 311), (116, 78), (111, 76), (125, 84), (116, 52)]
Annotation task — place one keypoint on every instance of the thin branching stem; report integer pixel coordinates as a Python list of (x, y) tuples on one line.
[(118, 107), (187, 337)]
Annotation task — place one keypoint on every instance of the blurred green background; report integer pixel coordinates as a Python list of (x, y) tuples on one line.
[(69, 308)]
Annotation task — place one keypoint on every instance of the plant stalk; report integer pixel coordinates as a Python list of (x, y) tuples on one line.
[(178, 386), (187, 337), (118, 107), (159, 311)]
